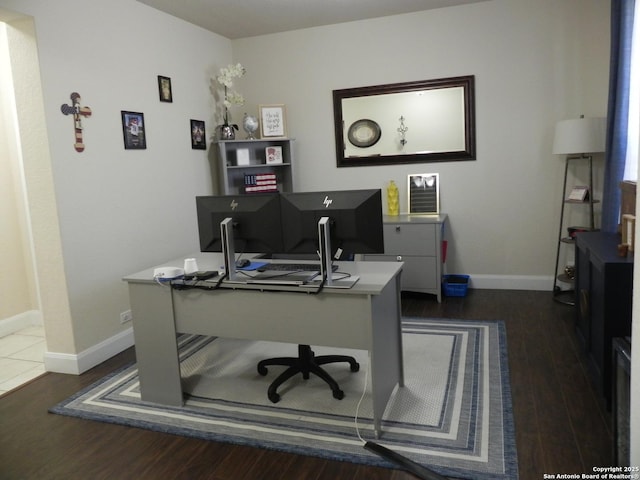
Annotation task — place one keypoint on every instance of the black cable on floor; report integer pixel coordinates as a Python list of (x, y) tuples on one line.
[(403, 462)]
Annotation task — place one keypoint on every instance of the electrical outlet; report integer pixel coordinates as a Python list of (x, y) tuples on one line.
[(126, 316)]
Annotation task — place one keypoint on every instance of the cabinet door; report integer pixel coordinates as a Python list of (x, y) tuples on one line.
[(418, 273), (583, 301), (405, 239), (597, 319)]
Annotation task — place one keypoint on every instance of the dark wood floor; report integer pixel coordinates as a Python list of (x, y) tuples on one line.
[(561, 423)]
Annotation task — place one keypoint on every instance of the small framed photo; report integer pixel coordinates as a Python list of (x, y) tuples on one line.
[(579, 194), (273, 122), (133, 130), (424, 193), (198, 137), (164, 89), (273, 154), (242, 156)]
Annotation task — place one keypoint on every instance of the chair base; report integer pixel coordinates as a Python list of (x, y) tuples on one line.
[(305, 363)]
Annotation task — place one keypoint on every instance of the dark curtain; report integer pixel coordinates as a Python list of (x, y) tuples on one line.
[(622, 12)]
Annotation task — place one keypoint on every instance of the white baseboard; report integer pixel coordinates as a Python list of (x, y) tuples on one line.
[(512, 282), (78, 363), (20, 321)]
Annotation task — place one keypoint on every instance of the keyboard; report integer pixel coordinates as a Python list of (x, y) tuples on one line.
[(296, 267)]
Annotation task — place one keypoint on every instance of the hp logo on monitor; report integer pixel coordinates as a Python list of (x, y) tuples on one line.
[(327, 201)]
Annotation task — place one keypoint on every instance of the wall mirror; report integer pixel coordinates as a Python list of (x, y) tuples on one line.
[(411, 122)]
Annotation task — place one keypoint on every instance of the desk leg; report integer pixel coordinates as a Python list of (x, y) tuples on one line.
[(387, 368), (156, 346), (398, 339)]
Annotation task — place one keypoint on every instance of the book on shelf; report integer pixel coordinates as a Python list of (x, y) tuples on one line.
[(252, 178), (260, 188)]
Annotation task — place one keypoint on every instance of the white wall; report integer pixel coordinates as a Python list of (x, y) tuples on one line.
[(535, 63), (119, 210), (123, 210)]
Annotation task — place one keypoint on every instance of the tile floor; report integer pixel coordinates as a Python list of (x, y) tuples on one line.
[(21, 357)]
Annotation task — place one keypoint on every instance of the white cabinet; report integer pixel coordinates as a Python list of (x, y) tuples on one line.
[(242, 159), (415, 240)]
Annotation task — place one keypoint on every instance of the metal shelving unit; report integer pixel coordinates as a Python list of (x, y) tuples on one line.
[(563, 285)]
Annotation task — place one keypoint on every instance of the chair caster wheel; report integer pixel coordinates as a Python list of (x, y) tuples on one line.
[(274, 397), (338, 394), (355, 367)]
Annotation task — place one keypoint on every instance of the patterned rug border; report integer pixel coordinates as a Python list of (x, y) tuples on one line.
[(510, 466)]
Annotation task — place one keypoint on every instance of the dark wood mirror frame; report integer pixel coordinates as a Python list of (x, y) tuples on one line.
[(468, 153)]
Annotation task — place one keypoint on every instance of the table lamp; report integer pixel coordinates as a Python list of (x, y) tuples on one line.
[(579, 136)]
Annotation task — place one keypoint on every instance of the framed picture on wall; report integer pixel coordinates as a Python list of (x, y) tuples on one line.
[(273, 121), (198, 138), (424, 193), (164, 89), (133, 130)]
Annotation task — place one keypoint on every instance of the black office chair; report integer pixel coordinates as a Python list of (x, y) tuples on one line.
[(305, 363)]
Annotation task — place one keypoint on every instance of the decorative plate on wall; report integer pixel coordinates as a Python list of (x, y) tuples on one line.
[(364, 133)]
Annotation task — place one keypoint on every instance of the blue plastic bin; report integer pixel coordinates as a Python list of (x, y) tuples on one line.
[(455, 285)]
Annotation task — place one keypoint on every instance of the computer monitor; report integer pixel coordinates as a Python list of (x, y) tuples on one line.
[(352, 223), (252, 222), (355, 220)]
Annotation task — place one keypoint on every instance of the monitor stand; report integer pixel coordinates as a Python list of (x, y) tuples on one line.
[(229, 251), (326, 272), (324, 237)]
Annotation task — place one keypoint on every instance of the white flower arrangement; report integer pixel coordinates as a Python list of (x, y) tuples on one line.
[(228, 73), (231, 97)]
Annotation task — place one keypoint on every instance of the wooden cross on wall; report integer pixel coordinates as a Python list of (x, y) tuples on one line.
[(78, 112)]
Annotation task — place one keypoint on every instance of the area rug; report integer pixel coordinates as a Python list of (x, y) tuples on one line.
[(454, 414)]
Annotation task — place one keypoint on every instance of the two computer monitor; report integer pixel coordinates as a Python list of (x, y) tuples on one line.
[(291, 222)]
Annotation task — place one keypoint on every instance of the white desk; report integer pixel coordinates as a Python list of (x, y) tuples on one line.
[(365, 317)]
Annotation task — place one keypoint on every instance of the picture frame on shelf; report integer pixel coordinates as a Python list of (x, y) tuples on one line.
[(198, 137), (273, 121), (133, 130), (273, 154), (243, 157), (164, 89), (424, 193), (579, 193)]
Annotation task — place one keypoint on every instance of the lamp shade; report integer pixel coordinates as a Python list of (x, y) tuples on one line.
[(580, 135)]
